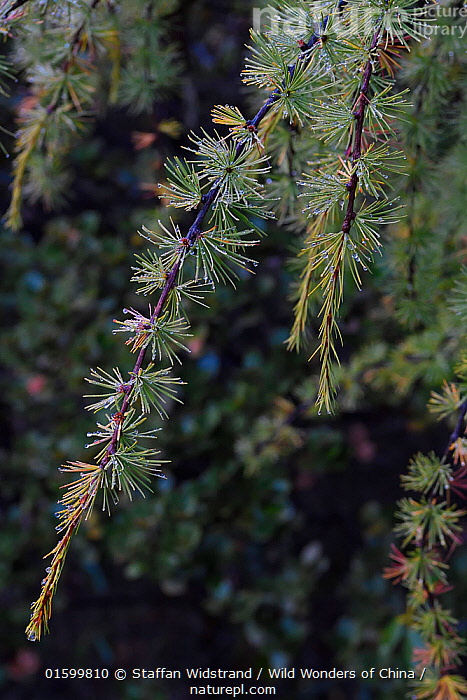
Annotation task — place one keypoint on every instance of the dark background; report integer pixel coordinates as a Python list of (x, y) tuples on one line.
[(265, 545)]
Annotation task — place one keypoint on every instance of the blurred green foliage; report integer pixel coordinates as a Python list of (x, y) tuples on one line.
[(265, 544)]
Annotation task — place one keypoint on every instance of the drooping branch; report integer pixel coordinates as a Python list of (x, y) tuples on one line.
[(334, 288), (35, 121), (196, 228), (79, 500)]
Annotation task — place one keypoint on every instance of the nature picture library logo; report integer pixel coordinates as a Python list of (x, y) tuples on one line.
[(350, 21)]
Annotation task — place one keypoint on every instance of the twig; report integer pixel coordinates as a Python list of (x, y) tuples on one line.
[(15, 6), (359, 114), (333, 291)]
